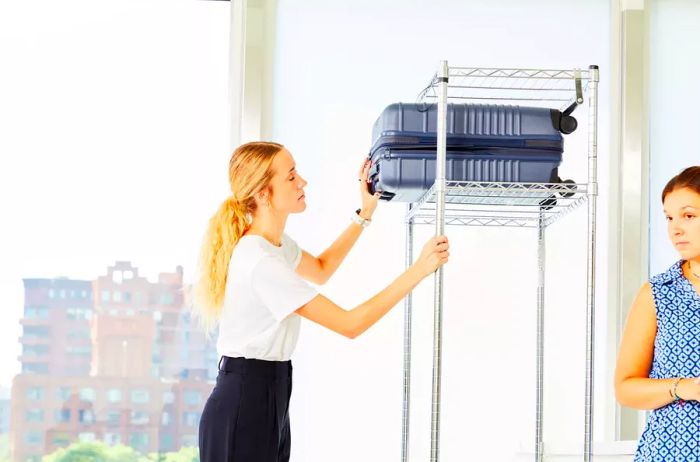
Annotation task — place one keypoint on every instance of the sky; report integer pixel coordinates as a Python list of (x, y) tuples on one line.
[(114, 140)]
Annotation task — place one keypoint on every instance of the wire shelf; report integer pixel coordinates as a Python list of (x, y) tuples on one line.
[(537, 87), (520, 205)]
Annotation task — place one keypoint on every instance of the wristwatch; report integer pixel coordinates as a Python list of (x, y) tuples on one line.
[(364, 222)]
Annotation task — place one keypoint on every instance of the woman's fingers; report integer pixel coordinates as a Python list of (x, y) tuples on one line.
[(364, 169)]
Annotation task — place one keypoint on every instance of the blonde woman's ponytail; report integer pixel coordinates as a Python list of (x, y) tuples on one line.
[(249, 172)]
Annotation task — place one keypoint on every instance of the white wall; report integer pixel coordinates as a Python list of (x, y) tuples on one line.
[(674, 99), (337, 65)]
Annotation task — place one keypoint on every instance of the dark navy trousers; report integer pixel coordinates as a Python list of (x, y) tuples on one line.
[(246, 418)]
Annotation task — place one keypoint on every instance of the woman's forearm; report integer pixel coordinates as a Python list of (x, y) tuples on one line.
[(367, 314), (644, 393), (334, 255)]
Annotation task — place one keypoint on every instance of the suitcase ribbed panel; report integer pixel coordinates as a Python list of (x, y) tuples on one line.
[(481, 119), (483, 170)]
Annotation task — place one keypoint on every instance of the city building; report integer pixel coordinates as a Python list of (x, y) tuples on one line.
[(117, 359)]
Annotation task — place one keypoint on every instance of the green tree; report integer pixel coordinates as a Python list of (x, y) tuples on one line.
[(185, 454), (4, 447), (95, 451)]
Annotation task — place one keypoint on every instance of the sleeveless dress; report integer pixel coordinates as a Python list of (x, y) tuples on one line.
[(672, 432)]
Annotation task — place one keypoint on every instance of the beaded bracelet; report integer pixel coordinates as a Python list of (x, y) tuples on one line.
[(673, 389)]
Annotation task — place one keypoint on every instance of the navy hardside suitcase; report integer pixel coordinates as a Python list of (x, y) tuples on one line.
[(485, 143)]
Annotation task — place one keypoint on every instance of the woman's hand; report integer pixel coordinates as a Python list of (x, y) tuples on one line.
[(435, 254), (369, 201), (689, 389)]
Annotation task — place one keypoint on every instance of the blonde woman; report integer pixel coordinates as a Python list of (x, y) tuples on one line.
[(659, 361), (253, 284)]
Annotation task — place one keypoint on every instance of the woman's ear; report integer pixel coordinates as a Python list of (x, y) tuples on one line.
[(263, 197)]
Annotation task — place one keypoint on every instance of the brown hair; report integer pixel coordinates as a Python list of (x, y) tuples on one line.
[(688, 178), (249, 172)]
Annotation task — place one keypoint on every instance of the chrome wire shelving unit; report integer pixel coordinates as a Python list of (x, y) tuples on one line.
[(528, 205)]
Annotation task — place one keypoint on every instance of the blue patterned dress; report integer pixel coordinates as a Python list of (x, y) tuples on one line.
[(673, 432)]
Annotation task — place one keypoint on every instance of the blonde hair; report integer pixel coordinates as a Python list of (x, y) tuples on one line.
[(249, 172)]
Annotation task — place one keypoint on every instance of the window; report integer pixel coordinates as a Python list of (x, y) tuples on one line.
[(168, 397), (60, 439), (139, 418), (63, 393), (33, 437), (192, 397), (86, 416), (35, 368), (78, 335), (190, 419), (34, 415), (35, 394), (36, 312), (87, 394), (166, 442), (79, 313), (113, 418), (190, 440), (88, 288), (139, 396), (139, 440), (167, 298), (112, 438), (82, 350), (114, 395), (34, 350), (165, 418), (36, 331), (86, 437), (62, 416)]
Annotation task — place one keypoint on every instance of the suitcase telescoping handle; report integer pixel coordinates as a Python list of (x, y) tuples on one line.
[(564, 121)]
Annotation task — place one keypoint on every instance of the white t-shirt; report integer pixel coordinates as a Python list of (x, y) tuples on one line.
[(262, 294)]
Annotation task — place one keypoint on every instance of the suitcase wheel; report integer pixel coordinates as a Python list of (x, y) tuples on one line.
[(567, 124), (571, 186)]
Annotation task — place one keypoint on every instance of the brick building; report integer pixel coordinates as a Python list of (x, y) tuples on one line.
[(116, 359)]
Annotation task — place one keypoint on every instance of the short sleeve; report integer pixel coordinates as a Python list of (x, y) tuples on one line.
[(279, 288), (294, 250)]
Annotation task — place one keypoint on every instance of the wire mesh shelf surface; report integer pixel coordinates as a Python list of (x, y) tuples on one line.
[(524, 205), (534, 87)]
